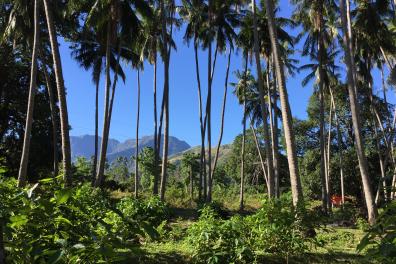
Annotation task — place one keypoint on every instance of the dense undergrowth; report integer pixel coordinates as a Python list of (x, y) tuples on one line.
[(46, 223)]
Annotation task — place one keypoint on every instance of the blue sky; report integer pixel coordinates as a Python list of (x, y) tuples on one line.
[(184, 119)]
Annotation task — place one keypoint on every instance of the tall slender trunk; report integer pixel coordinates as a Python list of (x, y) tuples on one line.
[(100, 174), (322, 146), (275, 143), (267, 143), (32, 92), (156, 147), (166, 102), (328, 149), (259, 153), (137, 136), (242, 186), (95, 161), (370, 203), (209, 126), (64, 119), (340, 148), (202, 159), (271, 111), (54, 120), (222, 112), (286, 112)]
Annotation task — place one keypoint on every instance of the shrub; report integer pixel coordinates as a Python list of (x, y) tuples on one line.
[(219, 241), (49, 223), (274, 229), (380, 241)]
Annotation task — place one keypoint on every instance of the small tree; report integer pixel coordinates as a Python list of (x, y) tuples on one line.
[(190, 166)]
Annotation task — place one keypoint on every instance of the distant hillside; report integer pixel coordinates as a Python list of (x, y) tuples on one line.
[(85, 146), (224, 152)]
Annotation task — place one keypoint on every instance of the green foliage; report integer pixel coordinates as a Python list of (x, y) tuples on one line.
[(48, 224), (148, 168), (218, 241), (274, 229), (380, 241)]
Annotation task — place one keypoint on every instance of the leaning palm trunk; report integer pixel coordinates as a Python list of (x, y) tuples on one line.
[(54, 120), (286, 112), (222, 112), (368, 194), (64, 119), (268, 153), (32, 92), (137, 136), (242, 186), (100, 174)]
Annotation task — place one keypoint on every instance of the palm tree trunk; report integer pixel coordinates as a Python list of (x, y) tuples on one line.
[(259, 153), (285, 107), (54, 120), (328, 161), (268, 152), (95, 161), (242, 186), (32, 92), (271, 111), (202, 130), (156, 147), (222, 112), (100, 174), (166, 104), (323, 159), (370, 203), (64, 119), (275, 143), (209, 126), (340, 148), (137, 137)]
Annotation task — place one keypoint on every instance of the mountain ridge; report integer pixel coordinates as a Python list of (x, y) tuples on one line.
[(84, 146)]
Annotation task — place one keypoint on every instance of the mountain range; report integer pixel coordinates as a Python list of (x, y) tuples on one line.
[(85, 146)]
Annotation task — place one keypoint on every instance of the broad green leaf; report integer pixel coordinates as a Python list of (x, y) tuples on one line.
[(18, 220), (62, 196)]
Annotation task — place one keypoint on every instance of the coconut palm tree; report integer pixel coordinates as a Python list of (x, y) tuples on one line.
[(167, 15), (64, 119), (195, 14), (271, 190), (151, 44), (242, 91), (122, 24), (286, 112), (32, 90), (89, 50), (363, 166)]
